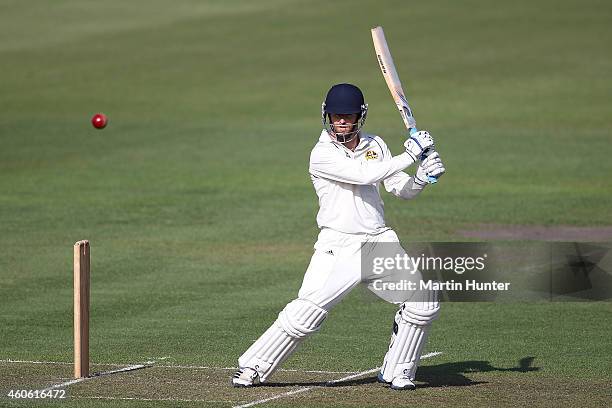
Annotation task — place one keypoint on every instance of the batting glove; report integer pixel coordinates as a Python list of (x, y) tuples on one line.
[(432, 166), (419, 143)]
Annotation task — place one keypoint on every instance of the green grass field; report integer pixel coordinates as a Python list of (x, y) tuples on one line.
[(198, 205)]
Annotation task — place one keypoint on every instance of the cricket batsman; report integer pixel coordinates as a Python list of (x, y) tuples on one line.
[(346, 167)]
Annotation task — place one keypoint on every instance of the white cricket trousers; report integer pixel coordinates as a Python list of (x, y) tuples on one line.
[(335, 268)]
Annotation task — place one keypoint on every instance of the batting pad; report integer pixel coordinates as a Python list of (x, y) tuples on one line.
[(410, 330), (296, 321)]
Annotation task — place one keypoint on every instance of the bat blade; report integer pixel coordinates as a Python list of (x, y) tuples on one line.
[(387, 67)]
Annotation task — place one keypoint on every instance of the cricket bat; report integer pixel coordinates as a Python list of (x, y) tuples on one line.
[(385, 62)]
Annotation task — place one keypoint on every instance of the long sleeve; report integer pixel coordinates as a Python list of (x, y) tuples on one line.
[(332, 164), (401, 184)]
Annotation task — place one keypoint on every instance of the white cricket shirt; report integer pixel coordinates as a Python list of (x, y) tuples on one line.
[(347, 183)]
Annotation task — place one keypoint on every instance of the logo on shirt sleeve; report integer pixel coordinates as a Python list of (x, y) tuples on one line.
[(371, 155)]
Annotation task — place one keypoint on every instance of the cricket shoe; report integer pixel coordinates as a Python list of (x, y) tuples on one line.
[(245, 377), (402, 382)]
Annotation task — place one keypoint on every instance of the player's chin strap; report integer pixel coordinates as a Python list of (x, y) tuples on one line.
[(345, 137)]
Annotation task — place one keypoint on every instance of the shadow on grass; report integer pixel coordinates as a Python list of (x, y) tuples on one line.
[(453, 374), (441, 375)]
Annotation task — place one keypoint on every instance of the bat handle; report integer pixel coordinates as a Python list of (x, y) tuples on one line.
[(430, 179)]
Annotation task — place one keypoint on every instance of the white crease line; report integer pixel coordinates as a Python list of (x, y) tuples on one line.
[(96, 375), (150, 363), (235, 368), (151, 399), (36, 362), (284, 394), (196, 367), (67, 383), (332, 382), (300, 390), (430, 355), (350, 377), (316, 371)]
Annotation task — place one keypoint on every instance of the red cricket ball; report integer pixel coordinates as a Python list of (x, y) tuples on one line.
[(99, 121)]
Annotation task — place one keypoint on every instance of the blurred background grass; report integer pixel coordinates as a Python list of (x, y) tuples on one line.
[(197, 199)]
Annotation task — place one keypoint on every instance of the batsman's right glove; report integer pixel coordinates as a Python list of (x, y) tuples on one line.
[(432, 166)]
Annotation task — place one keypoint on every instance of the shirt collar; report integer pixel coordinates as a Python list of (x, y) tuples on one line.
[(364, 142)]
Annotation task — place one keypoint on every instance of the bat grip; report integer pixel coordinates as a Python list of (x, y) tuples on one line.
[(430, 179)]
